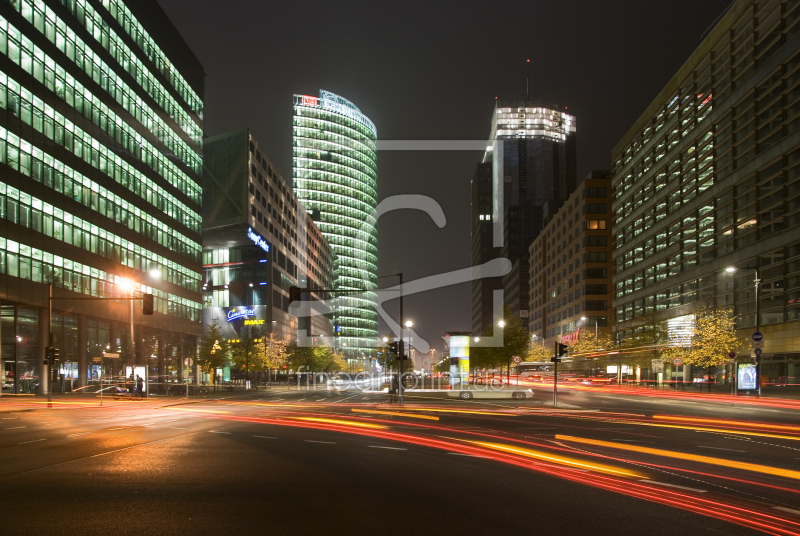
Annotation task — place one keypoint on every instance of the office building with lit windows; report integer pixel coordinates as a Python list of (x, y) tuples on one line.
[(707, 180), (101, 127), (258, 241), (570, 273), (531, 153), (335, 177)]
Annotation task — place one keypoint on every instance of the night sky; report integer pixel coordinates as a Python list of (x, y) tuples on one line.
[(423, 70)]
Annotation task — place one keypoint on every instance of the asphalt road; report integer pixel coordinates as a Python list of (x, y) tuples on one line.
[(324, 462)]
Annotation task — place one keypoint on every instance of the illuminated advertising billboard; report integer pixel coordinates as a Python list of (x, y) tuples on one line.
[(459, 360), (747, 377), (231, 320)]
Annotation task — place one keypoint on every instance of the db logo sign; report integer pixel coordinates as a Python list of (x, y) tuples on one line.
[(309, 101)]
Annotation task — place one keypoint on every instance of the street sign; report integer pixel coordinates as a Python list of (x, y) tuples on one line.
[(758, 344), (517, 359), (677, 361), (757, 336), (732, 355), (658, 365), (188, 361), (757, 351), (111, 356), (97, 359)]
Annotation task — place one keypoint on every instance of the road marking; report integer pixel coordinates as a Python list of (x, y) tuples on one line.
[(299, 399), (673, 485), (632, 440), (15, 428), (173, 420), (387, 448), (176, 428), (277, 399), (348, 398), (120, 428), (326, 442), (265, 437), (781, 508), (460, 454), (82, 433), (719, 448), (218, 432), (34, 441)]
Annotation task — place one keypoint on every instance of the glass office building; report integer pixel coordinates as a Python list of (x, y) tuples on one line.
[(708, 179), (101, 127), (335, 178)]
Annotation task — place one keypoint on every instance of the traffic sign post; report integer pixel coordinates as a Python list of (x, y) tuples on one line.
[(188, 362), (758, 336)]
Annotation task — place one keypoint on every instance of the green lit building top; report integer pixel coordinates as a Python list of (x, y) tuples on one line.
[(335, 177)]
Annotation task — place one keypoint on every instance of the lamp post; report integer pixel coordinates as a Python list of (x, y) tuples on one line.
[(408, 325), (502, 324), (756, 281)]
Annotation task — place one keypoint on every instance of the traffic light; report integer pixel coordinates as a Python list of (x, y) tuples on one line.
[(48, 355), (562, 349), (147, 304), (394, 347), (295, 295), (56, 356)]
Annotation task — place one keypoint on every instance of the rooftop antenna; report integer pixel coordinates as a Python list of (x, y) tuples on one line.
[(527, 80)]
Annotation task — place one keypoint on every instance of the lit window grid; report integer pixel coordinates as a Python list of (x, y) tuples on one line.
[(359, 176), (44, 218), (45, 119), (341, 110), (312, 125), (25, 262), (330, 201), (676, 120), (27, 158), (33, 61), (341, 226), (26, 54), (339, 184), (58, 32), (122, 14)]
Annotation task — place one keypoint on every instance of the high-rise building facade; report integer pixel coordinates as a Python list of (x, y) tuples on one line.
[(101, 127), (335, 173), (570, 276), (258, 241), (482, 250), (707, 179), (532, 156)]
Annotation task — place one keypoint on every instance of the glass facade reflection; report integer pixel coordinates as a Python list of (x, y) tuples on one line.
[(335, 178)]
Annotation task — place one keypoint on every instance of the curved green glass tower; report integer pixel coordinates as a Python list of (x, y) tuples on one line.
[(335, 177)]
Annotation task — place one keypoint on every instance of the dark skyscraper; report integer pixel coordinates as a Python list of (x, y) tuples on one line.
[(532, 157)]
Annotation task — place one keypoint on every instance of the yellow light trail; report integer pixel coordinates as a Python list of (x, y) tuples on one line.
[(756, 468), (731, 423), (561, 460), (464, 411), (337, 421), (196, 410), (428, 417)]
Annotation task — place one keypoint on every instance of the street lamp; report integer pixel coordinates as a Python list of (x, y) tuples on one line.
[(756, 281), (408, 325)]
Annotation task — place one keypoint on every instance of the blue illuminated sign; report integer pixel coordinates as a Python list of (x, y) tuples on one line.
[(256, 238), (233, 314)]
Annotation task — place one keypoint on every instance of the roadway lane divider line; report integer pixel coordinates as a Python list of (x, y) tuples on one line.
[(265, 437), (719, 448), (176, 428), (80, 434), (387, 448), (32, 441), (397, 413), (756, 468), (325, 442), (218, 432), (119, 428), (15, 428), (674, 486), (784, 509)]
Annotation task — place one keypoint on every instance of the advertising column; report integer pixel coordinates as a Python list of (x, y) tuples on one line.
[(459, 361)]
